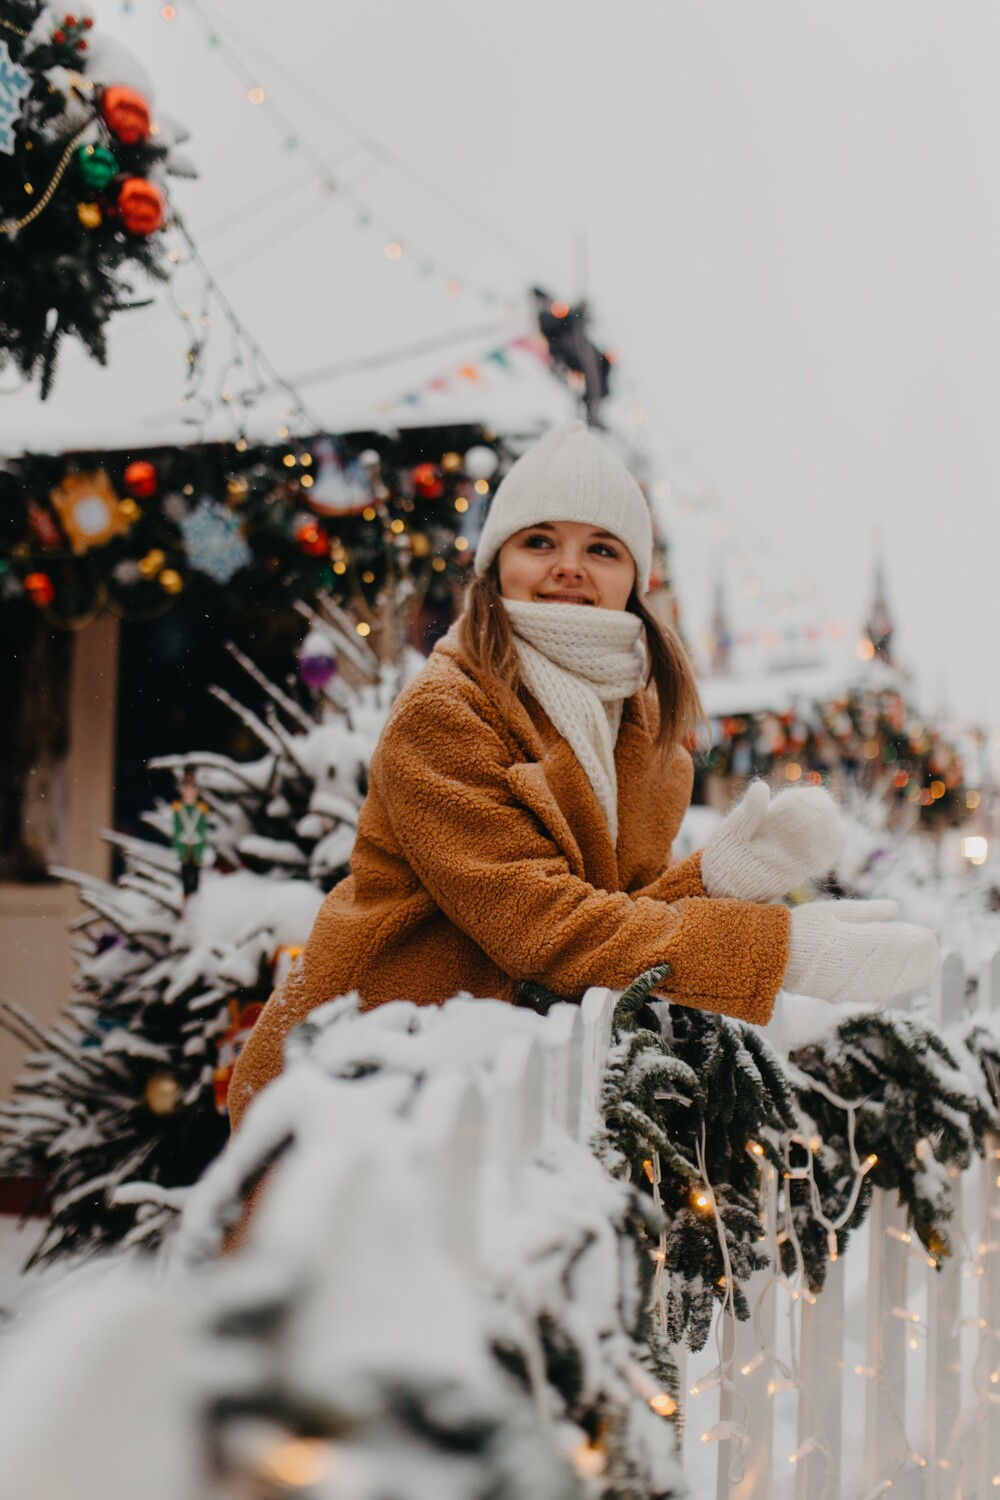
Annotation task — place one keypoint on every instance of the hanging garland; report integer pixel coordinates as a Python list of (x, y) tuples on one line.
[(80, 200), (132, 532)]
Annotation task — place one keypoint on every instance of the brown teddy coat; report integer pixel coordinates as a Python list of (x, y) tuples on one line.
[(483, 859)]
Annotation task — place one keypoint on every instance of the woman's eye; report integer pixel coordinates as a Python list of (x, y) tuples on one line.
[(604, 550), (538, 540)]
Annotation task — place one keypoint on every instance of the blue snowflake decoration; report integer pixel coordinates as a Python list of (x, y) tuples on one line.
[(15, 84), (213, 542)]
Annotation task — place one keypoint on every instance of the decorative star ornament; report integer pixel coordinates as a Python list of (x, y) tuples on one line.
[(214, 542)]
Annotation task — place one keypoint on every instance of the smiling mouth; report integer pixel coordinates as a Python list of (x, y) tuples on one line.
[(563, 599)]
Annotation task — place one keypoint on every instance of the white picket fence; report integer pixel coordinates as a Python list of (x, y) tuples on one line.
[(889, 1379)]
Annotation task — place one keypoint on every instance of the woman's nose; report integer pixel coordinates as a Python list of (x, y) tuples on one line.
[(567, 564)]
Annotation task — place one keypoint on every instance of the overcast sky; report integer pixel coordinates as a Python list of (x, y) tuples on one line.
[(792, 236)]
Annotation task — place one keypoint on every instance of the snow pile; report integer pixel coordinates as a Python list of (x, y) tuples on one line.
[(434, 1295)]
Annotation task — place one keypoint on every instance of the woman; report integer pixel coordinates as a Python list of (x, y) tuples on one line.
[(529, 784)]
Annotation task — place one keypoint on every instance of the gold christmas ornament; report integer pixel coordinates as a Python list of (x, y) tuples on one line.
[(90, 511), (171, 581), (151, 564), (89, 215), (129, 510), (163, 1093)]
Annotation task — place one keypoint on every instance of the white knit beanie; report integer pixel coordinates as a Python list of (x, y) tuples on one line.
[(570, 475)]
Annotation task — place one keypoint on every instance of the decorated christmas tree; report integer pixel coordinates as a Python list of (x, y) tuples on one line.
[(82, 197), (123, 1104)]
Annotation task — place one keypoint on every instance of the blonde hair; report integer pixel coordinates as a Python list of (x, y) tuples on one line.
[(485, 636)]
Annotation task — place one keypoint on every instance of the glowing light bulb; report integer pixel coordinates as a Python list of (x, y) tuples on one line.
[(299, 1463), (256, 95), (393, 250), (363, 628)]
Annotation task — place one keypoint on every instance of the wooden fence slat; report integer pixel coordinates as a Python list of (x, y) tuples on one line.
[(450, 1119), (516, 1109), (562, 1038), (753, 1387), (821, 1400), (988, 1358), (596, 1010), (885, 1398)]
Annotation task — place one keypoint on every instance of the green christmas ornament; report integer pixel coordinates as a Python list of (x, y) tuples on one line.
[(96, 166)]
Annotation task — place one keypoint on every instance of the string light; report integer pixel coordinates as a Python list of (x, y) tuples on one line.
[(256, 95), (589, 1459), (299, 1463)]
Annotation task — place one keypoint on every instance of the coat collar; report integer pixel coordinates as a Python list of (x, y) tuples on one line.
[(568, 784)]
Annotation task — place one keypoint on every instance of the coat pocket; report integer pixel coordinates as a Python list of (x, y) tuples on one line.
[(528, 782)]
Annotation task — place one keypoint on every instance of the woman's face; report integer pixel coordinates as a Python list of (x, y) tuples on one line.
[(566, 562)]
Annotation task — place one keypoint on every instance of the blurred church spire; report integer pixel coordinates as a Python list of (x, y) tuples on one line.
[(880, 626), (722, 636)]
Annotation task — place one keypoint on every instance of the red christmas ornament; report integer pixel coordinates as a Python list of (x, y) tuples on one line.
[(140, 479), (312, 539), (42, 526), (38, 587), (427, 481), (141, 206), (126, 114), (88, 22), (59, 37)]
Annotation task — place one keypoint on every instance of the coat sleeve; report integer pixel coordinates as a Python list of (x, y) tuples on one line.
[(676, 881), (498, 875)]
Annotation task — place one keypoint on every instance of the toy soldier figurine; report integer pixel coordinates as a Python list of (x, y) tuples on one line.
[(190, 829)]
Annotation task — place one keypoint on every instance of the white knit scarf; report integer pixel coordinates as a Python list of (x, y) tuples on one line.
[(581, 664)]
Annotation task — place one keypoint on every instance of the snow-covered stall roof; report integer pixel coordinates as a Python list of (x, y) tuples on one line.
[(367, 340), (779, 689)]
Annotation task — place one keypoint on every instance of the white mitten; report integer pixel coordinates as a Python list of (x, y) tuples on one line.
[(853, 950), (762, 849)]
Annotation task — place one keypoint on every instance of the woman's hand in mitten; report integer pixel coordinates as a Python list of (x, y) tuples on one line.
[(764, 848), (853, 950)]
